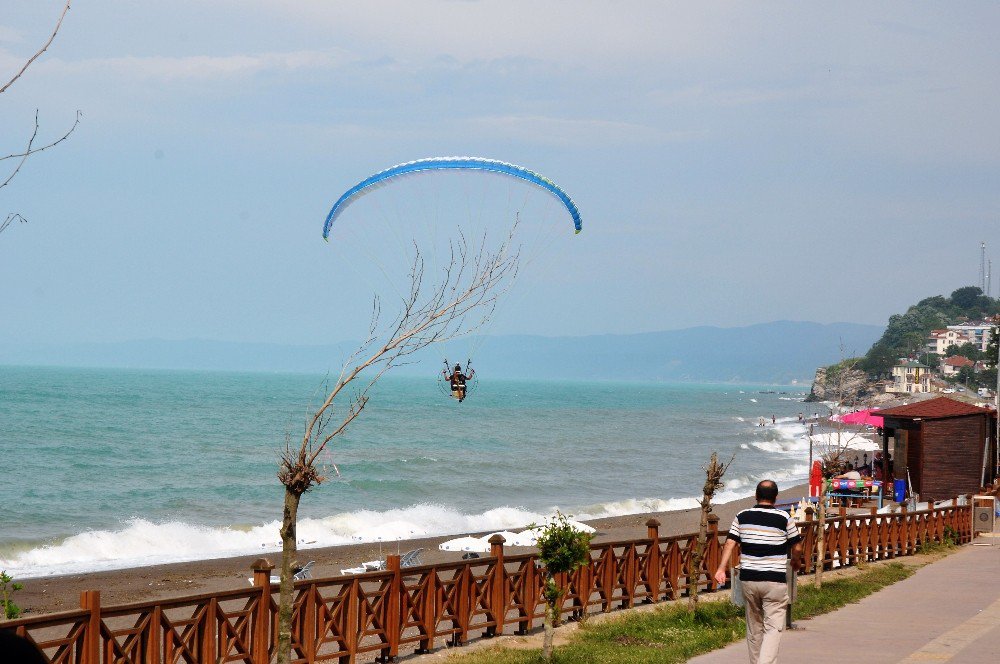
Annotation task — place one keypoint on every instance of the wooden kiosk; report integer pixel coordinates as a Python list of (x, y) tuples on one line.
[(948, 446)]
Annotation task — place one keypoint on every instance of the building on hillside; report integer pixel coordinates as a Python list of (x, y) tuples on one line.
[(939, 340), (943, 446), (910, 377), (951, 366), (977, 333)]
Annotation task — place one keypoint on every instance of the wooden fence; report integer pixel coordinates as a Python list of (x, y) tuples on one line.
[(381, 615)]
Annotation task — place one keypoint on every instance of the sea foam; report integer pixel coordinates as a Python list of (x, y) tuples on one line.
[(140, 542)]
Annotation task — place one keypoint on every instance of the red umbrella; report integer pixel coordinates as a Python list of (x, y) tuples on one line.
[(863, 417)]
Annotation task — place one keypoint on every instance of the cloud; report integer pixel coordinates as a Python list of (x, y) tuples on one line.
[(200, 67), (569, 131), (10, 35)]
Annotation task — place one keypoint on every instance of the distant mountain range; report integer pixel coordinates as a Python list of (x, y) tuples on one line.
[(776, 353)]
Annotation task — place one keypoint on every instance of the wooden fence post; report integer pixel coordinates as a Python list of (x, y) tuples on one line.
[(207, 633), (498, 594), (351, 620), (654, 573), (90, 600), (261, 640), (154, 636), (529, 596), (393, 602), (809, 541)]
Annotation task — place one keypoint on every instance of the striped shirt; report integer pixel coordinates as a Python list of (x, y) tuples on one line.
[(764, 535)]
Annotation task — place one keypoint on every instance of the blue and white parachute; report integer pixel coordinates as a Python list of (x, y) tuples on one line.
[(450, 163)]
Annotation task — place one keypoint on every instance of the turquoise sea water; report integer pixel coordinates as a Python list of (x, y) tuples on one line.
[(110, 468)]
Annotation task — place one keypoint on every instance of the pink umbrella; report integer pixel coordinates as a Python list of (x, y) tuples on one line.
[(863, 417)]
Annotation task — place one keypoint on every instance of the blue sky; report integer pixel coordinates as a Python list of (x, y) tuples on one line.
[(734, 163)]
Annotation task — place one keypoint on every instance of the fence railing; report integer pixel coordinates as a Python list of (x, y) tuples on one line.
[(383, 614)]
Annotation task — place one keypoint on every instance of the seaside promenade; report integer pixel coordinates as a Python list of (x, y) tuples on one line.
[(948, 611)]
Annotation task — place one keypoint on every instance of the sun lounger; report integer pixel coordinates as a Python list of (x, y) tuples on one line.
[(304, 572), (410, 558), (353, 570)]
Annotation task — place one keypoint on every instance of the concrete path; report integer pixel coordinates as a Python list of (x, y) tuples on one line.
[(948, 611)]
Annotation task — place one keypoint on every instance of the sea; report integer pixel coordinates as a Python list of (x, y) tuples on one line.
[(113, 468)]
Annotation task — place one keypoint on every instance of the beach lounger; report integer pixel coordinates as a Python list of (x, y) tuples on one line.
[(368, 566), (410, 558), (304, 572), (353, 570)]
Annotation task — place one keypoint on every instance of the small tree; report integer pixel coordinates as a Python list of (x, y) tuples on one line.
[(8, 609), (562, 549), (714, 472), (461, 302)]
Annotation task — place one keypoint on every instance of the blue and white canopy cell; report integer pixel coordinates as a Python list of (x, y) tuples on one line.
[(385, 177)]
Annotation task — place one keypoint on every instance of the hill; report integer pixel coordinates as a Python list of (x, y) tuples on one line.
[(906, 334)]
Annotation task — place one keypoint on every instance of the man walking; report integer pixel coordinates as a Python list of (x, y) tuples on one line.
[(765, 536)]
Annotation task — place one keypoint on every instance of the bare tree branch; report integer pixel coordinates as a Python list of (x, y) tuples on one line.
[(11, 218), (40, 51), (30, 150), (460, 303)]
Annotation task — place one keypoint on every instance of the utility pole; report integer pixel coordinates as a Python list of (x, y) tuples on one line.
[(982, 266)]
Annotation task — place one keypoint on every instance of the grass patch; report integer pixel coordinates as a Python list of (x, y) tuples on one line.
[(673, 634), (836, 593)]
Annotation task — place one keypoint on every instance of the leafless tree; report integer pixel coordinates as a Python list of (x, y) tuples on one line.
[(714, 473), (459, 303), (834, 451), (18, 158)]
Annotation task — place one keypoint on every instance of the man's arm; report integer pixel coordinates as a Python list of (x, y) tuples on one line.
[(727, 553), (796, 556)]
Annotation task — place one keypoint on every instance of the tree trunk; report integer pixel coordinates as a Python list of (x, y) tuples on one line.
[(288, 551), (694, 566), (550, 630)]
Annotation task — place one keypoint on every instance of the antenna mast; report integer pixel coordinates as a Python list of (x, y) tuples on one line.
[(982, 266)]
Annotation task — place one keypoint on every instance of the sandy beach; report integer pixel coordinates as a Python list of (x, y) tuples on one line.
[(141, 584)]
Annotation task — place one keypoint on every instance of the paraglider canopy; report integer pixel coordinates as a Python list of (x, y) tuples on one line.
[(451, 163)]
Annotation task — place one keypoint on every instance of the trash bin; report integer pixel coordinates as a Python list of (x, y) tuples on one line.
[(899, 490)]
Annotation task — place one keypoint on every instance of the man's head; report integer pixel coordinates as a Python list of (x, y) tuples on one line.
[(458, 367), (767, 491)]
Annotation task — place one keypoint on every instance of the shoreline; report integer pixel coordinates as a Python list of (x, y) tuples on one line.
[(166, 581)]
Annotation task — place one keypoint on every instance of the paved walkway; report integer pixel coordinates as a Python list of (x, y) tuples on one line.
[(948, 611)]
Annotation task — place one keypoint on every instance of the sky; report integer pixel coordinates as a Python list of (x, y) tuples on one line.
[(735, 163)]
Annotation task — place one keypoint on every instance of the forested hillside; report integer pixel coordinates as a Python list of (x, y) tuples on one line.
[(906, 334)]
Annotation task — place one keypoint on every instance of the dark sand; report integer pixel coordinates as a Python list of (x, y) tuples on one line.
[(142, 584)]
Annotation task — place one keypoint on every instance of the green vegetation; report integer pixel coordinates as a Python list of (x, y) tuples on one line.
[(834, 370), (989, 376), (948, 542), (906, 334), (675, 634), (561, 549), (841, 592), (8, 587)]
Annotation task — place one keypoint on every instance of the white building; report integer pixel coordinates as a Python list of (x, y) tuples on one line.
[(977, 333), (939, 340), (910, 377)]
